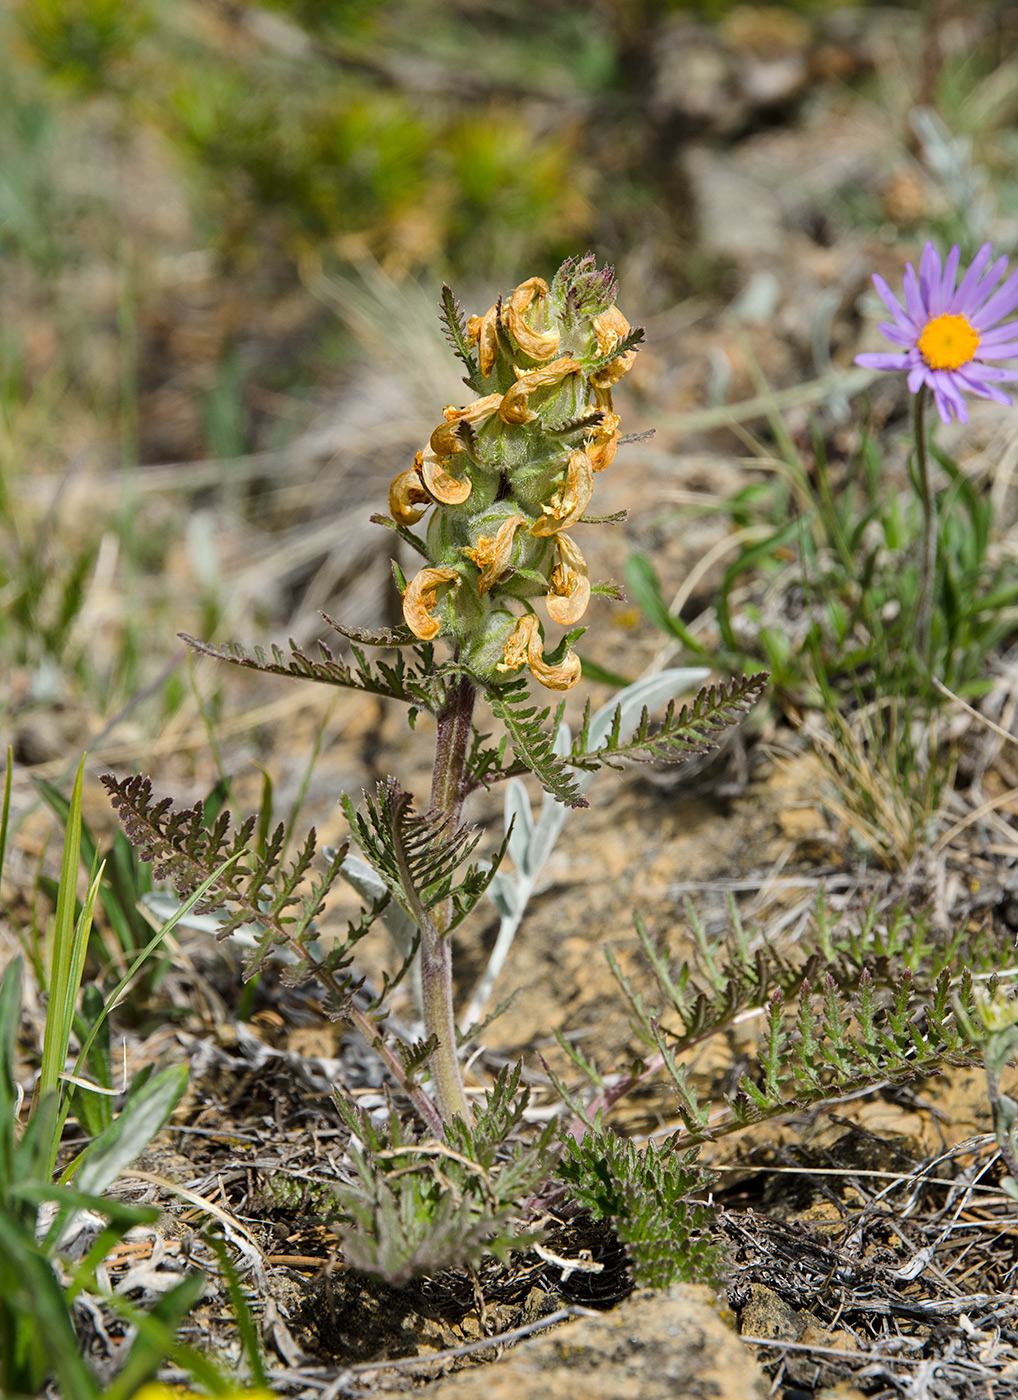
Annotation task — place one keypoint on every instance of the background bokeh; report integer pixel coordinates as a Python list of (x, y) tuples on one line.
[(223, 226)]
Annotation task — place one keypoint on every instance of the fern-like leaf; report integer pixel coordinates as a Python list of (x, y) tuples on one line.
[(635, 337), (382, 637), (282, 898), (417, 855), (532, 743), (696, 728), (849, 1044), (645, 1193), (414, 1208), (454, 328), (396, 681)]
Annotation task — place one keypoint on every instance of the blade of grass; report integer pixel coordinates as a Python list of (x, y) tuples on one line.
[(242, 1313), (63, 954), (153, 943)]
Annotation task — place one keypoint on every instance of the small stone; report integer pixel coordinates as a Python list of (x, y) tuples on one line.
[(655, 1346), (768, 1315)]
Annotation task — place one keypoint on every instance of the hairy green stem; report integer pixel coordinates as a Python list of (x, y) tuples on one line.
[(447, 792), (928, 562)]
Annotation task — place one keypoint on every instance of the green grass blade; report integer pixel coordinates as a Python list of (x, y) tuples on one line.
[(645, 588), (33, 1299), (10, 1016), (155, 1341), (143, 956), (245, 1322), (94, 1110), (77, 952), (60, 1010), (129, 1134), (593, 671)]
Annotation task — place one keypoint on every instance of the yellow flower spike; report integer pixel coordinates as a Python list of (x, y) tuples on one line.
[(539, 345), (570, 499), (482, 331), (445, 439), (492, 555), (407, 493), (420, 599), (524, 644), (514, 407), (603, 443), (611, 329), (570, 586), (442, 486)]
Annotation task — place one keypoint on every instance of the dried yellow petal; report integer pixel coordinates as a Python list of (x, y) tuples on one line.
[(524, 644), (514, 407), (405, 494), (442, 486), (445, 439), (514, 654), (483, 332), (561, 677), (420, 598), (611, 329), (539, 345), (492, 555), (603, 443), (570, 499), (570, 585)]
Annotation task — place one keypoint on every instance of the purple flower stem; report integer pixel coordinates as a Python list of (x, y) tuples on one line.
[(448, 789), (928, 561)]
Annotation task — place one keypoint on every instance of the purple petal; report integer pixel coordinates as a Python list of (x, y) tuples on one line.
[(917, 378), (960, 300), (947, 408), (987, 283), (950, 383), (999, 334), (869, 361), (944, 290), (1007, 351), (1002, 303), (896, 336), (913, 300), (988, 391), (929, 277), (893, 305), (995, 373), (947, 397)]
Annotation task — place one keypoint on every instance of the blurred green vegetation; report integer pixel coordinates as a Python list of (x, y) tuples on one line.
[(308, 128), (462, 138), (171, 171)]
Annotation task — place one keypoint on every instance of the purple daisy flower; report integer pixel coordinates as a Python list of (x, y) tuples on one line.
[(948, 334)]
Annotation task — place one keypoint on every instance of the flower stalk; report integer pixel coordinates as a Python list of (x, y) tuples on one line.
[(447, 793), (928, 560)]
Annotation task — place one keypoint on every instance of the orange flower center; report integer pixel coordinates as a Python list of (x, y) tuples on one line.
[(948, 342)]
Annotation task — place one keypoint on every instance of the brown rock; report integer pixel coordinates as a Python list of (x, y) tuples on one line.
[(765, 1314), (667, 1345), (768, 1315)]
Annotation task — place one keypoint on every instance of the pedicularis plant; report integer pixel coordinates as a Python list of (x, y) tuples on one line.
[(508, 479), (504, 481)]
